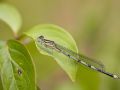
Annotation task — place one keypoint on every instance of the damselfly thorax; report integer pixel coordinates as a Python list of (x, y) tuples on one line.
[(48, 43)]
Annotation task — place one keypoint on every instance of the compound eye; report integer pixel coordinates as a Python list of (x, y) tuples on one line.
[(41, 37)]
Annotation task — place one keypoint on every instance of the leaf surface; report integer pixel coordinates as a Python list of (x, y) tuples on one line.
[(60, 36), (11, 16), (16, 67)]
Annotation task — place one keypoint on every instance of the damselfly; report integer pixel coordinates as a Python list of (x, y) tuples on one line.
[(90, 63)]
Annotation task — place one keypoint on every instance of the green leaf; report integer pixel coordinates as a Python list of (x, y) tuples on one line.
[(11, 16), (1, 45), (16, 67), (61, 37)]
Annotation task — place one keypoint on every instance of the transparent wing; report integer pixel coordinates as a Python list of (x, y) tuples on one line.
[(92, 62), (86, 59)]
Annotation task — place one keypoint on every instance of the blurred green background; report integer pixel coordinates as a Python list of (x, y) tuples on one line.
[(95, 26)]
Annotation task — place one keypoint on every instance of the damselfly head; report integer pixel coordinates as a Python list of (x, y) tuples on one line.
[(40, 39)]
